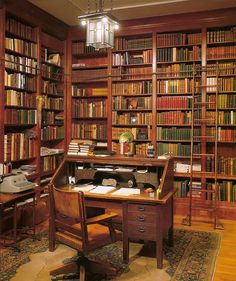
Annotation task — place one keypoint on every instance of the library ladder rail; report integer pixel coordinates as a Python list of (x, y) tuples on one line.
[(201, 197)]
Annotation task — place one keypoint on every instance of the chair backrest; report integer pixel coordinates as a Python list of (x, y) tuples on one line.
[(67, 209), (70, 204)]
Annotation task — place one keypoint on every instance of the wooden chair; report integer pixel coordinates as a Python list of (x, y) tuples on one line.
[(68, 224)]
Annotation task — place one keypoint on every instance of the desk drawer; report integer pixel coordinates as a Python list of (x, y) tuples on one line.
[(142, 217), (141, 208), (142, 231)]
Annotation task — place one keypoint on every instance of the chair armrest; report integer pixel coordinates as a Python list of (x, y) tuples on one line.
[(101, 218)]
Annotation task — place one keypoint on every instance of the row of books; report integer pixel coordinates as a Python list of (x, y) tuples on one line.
[(221, 68), (176, 86), (224, 117), (140, 150), (217, 36), (227, 135), (132, 88), (89, 131), (80, 147), (77, 91), (226, 165), (131, 119), (18, 146), (221, 52), (130, 44), (21, 47), (176, 133), (174, 117), (52, 133), (136, 72), (132, 58), (18, 28), (174, 102), (227, 191), (182, 188), (138, 133), (16, 98), (177, 149), (175, 70), (20, 81), (178, 54), (79, 48), (20, 117), (88, 108), (50, 163), (178, 38), (51, 88), (226, 84), (53, 103), (120, 102), (18, 63), (224, 101), (52, 72), (51, 118)]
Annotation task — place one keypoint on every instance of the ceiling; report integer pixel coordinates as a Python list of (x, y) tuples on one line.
[(68, 10)]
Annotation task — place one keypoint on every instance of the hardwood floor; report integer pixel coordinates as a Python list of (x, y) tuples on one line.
[(226, 261)]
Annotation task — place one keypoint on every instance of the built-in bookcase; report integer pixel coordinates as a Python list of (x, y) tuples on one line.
[(221, 74), (52, 105), (132, 91), (20, 90), (178, 57), (89, 93)]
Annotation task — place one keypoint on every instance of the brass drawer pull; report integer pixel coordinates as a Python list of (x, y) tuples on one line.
[(142, 230), (141, 218), (141, 208)]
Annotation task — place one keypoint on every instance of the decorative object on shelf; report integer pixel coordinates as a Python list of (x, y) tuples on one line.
[(150, 150), (100, 27), (126, 144)]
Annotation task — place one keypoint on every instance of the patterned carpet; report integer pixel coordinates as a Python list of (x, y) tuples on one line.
[(192, 257)]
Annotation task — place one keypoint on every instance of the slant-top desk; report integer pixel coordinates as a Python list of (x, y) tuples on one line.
[(146, 216)]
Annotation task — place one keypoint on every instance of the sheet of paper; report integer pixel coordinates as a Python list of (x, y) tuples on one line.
[(102, 189), (83, 187), (126, 191)]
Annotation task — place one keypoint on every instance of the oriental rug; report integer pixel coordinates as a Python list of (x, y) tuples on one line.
[(192, 257)]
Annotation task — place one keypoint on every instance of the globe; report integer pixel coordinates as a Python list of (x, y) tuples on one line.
[(126, 137)]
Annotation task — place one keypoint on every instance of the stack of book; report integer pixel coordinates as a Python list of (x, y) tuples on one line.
[(80, 147)]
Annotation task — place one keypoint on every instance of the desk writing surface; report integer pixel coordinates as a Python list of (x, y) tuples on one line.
[(8, 198), (143, 197), (165, 166)]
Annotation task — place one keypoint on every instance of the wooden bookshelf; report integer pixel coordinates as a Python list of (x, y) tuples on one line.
[(20, 87), (89, 92), (23, 72), (132, 91), (53, 104)]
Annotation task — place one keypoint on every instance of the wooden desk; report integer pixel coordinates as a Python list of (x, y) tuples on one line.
[(144, 216), (8, 200)]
